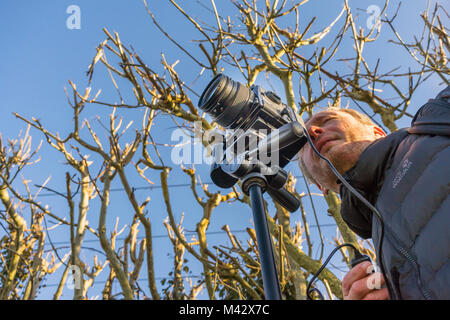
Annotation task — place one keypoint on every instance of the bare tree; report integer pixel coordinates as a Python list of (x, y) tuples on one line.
[(256, 42)]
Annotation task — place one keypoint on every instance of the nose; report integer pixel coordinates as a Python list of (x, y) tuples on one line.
[(315, 132)]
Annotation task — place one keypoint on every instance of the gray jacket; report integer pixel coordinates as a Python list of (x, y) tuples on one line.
[(406, 176)]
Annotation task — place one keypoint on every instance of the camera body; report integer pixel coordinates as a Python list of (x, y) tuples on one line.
[(252, 115)]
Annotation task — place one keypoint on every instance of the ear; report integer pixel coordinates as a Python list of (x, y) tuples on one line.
[(378, 132)]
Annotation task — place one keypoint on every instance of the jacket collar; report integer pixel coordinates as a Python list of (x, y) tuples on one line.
[(368, 173)]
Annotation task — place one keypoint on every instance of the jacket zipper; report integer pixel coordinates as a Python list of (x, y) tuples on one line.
[(425, 292)]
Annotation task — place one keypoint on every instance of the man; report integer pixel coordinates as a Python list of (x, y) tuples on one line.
[(406, 176)]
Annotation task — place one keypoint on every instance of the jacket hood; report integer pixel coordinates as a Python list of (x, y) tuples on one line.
[(434, 116)]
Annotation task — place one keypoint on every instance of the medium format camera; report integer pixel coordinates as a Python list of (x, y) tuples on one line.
[(251, 114)]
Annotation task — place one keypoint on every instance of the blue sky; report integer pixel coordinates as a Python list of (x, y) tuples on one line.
[(40, 54)]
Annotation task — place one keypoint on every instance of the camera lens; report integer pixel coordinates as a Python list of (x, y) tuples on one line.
[(228, 102)]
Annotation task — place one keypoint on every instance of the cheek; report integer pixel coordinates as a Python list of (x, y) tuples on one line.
[(343, 131), (354, 131)]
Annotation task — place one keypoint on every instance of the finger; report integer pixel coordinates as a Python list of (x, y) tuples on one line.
[(375, 281), (359, 289), (355, 274), (381, 294), (365, 286)]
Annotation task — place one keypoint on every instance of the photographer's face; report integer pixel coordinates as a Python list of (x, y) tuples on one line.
[(339, 137)]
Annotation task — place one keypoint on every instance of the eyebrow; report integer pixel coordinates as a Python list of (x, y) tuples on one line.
[(319, 118)]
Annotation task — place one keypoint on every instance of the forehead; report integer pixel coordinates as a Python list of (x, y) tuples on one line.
[(321, 116)]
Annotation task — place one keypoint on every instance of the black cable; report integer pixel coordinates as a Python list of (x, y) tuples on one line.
[(309, 290)]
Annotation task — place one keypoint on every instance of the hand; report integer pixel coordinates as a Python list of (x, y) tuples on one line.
[(360, 284)]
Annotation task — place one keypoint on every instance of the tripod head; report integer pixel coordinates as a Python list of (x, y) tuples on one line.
[(273, 177)]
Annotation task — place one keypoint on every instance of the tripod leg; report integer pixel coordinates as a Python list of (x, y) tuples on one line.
[(268, 268)]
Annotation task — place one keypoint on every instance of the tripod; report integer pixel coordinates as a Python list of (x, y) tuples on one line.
[(255, 184)]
